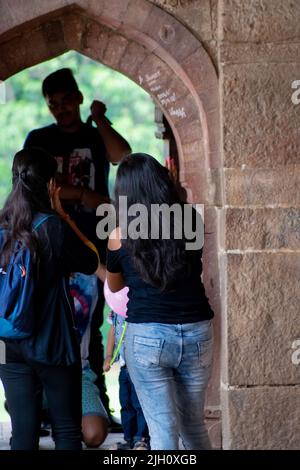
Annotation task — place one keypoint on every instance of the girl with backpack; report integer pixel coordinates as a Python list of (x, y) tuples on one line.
[(168, 340), (42, 350)]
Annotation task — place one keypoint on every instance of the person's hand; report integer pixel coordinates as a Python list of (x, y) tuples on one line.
[(98, 110), (55, 202), (171, 166), (92, 199), (51, 189), (106, 364)]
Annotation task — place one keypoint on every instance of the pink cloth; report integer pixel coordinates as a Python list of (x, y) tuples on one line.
[(117, 301)]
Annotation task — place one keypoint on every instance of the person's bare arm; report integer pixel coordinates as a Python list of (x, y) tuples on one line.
[(116, 146), (109, 348), (68, 192), (87, 197), (101, 272), (115, 280)]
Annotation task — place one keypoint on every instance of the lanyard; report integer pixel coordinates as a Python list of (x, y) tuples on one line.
[(119, 345)]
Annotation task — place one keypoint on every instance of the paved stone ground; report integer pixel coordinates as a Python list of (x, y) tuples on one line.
[(46, 443)]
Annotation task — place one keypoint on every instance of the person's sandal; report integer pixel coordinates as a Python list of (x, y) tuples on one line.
[(141, 445), (120, 446)]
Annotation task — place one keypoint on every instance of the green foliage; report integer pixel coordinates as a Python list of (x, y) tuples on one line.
[(130, 108)]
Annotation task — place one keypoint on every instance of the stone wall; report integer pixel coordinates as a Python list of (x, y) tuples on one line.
[(251, 187), (200, 16), (259, 46)]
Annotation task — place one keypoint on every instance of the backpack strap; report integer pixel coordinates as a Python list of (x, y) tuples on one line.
[(37, 224)]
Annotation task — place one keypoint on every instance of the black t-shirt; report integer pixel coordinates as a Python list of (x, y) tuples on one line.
[(55, 340), (185, 303), (81, 159)]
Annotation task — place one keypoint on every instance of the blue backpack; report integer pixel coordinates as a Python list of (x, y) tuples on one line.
[(17, 287)]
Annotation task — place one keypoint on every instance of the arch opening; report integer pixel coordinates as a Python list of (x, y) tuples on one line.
[(156, 51)]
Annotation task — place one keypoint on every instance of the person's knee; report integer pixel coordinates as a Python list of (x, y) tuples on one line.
[(94, 439), (94, 430)]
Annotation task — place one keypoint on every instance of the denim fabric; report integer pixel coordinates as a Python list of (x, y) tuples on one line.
[(170, 367), (133, 421), (118, 323)]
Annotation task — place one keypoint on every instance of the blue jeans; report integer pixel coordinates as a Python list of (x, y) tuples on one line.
[(170, 367), (133, 421)]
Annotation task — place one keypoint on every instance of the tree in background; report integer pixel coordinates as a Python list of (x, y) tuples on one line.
[(129, 107)]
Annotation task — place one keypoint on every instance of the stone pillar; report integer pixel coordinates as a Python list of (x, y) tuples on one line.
[(260, 385)]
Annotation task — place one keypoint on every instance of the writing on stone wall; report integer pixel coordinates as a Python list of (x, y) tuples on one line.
[(179, 112), (175, 3), (166, 97), (296, 94), (149, 79), (296, 353)]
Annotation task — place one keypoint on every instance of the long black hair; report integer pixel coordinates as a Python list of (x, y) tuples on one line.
[(32, 169), (142, 179)]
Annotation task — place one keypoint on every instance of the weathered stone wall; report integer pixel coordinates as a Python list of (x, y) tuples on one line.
[(259, 58), (251, 191), (200, 16)]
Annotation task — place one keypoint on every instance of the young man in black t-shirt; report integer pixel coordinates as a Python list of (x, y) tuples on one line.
[(83, 154)]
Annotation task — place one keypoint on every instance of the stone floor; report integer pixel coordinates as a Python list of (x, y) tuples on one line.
[(46, 443)]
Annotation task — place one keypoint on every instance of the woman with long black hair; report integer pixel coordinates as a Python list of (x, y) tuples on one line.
[(49, 359), (168, 340)]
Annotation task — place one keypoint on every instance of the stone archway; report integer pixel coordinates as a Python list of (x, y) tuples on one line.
[(155, 50)]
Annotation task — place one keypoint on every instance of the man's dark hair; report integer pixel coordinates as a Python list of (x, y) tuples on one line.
[(61, 80)]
